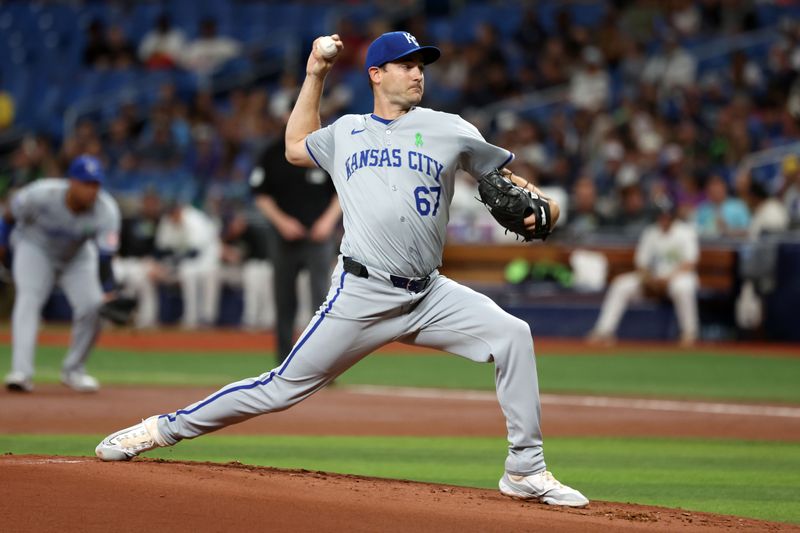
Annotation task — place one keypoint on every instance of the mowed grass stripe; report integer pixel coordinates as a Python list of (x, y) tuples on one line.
[(703, 376), (754, 479)]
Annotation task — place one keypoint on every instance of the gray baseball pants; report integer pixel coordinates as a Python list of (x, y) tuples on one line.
[(35, 275), (360, 315)]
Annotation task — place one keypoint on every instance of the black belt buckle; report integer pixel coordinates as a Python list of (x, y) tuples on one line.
[(410, 284)]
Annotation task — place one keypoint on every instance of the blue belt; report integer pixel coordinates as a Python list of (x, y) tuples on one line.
[(410, 284)]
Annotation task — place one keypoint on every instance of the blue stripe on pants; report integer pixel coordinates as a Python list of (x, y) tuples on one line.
[(272, 374)]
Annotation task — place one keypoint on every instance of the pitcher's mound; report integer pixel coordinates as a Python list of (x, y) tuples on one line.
[(45, 493)]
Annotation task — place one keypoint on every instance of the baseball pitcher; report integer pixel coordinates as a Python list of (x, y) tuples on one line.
[(59, 229), (394, 173)]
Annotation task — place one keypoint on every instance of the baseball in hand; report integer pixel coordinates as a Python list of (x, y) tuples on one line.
[(327, 47)]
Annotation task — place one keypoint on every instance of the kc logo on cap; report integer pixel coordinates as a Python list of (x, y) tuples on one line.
[(396, 45), (410, 38), (86, 168)]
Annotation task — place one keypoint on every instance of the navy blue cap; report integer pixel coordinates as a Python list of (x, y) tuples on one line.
[(394, 45), (86, 168)]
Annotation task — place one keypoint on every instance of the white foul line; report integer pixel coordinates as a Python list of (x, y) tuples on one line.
[(14, 462), (604, 402)]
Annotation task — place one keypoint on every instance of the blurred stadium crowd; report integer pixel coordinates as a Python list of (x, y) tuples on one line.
[(608, 105)]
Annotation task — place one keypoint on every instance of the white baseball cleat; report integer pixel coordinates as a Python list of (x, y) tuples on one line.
[(542, 487), (80, 381), (127, 443), (18, 382)]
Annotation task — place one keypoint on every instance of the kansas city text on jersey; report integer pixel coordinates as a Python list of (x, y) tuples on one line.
[(393, 158)]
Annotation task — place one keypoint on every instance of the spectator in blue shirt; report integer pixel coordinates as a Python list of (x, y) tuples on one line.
[(719, 215)]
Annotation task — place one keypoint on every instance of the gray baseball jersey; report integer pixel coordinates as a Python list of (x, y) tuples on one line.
[(395, 183), (43, 219), (52, 245)]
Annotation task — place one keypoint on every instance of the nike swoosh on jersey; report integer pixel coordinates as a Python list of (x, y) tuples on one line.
[(354, 131)]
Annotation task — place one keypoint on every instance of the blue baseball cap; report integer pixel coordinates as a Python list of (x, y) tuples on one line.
[(395, 45), (86, 168)]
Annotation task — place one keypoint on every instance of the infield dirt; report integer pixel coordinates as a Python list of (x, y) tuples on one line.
[(81, 494)]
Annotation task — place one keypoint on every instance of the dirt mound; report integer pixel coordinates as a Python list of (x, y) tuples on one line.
[(84, 494)]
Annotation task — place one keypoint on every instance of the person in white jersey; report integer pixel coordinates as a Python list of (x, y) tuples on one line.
[(666, 265), (394, 171), (65, 232)]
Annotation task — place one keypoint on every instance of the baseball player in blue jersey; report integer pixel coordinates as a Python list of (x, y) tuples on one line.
[(59, 227), (394, 173)]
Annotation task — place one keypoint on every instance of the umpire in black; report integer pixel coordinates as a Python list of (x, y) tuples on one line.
[(303, 209)]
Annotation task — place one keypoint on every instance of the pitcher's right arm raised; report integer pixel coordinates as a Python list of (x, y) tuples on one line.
[(305, 117)]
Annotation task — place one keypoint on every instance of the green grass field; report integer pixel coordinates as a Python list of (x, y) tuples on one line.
[(688, 375), (755, 479)]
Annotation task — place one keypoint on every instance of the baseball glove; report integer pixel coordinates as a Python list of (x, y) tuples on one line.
[(118, 310), (510, 205)]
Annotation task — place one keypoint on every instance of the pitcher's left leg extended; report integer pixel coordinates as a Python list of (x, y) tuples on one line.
[(458, 320)]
